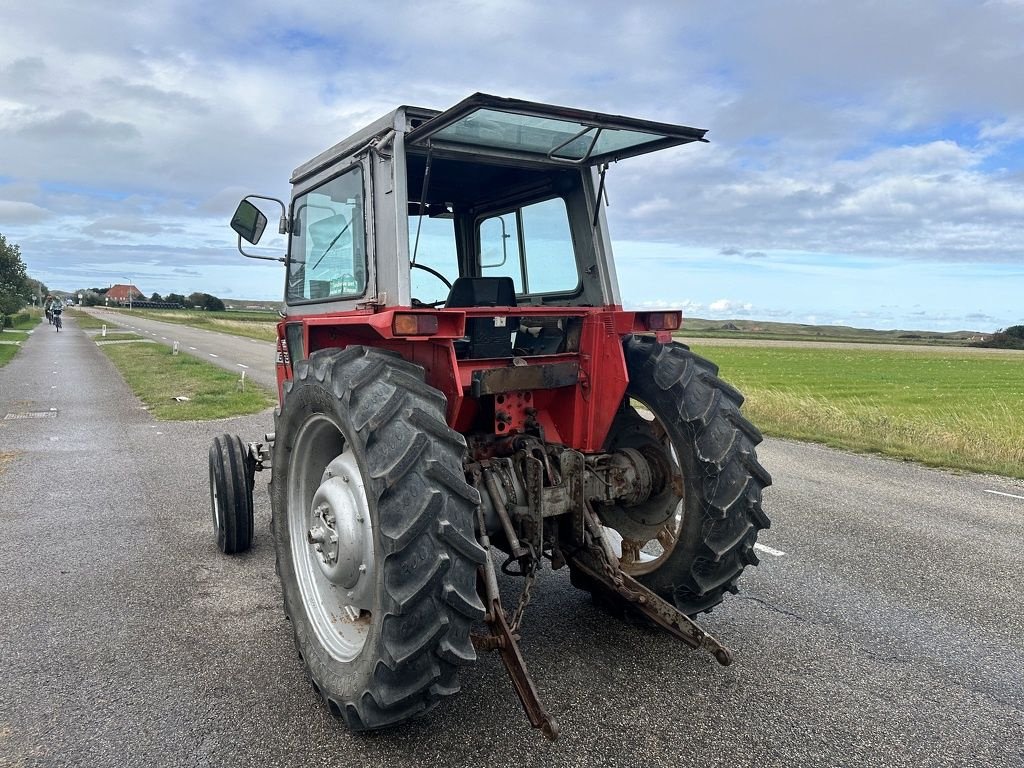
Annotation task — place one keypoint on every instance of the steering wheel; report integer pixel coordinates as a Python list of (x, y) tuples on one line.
[(434, 272), (439, 276)]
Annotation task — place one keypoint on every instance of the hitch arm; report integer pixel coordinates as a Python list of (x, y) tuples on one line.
[(512, 658), (505, 642), (661, 612), (598, 561)]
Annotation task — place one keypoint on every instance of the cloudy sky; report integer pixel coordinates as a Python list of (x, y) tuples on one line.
[(866, 163)]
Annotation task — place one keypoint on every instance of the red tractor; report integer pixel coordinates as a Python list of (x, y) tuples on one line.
[(461, 391)]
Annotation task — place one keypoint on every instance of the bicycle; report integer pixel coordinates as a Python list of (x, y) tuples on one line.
[(57, 321)]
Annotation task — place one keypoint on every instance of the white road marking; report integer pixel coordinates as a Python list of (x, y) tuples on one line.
[(1011, 495), (241, 366), (769, 550), (193, 349), (212, 355), (164, 338)]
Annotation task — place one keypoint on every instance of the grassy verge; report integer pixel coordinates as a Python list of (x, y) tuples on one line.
[(117, 337), (944, 407), (251, 325), (23, 321), (85, 321), (157, 377)]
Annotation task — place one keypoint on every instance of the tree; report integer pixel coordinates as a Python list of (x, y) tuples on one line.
[(15, 290), (1017, 331), (213, 304), (156, 297), (175, 298)]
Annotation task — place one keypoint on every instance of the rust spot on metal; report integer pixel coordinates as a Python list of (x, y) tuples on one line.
[(525, 377)]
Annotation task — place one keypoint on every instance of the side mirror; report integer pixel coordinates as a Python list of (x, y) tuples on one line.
[(249, 222)]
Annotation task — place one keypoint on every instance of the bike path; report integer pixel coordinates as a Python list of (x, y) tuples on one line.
[(122, 632)]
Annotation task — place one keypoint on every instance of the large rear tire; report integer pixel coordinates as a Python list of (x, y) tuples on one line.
[(373, 527), (698, 533)]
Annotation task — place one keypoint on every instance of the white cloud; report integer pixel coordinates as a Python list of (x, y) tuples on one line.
[(15, 212), (727, 305)]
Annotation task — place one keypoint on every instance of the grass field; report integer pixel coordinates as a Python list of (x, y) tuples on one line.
[(157, 377), (943, 407), (252, 325)]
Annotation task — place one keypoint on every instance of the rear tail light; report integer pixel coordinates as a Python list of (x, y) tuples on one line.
[(414, 324), (663, 321)]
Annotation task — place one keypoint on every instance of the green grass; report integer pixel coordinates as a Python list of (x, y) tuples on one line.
[(950, 408), (25, 324), (85, 321), (17, 333), (117, 337), (252, 325), (157, 377)]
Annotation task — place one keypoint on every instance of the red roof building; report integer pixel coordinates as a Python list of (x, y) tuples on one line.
[(119, 294)]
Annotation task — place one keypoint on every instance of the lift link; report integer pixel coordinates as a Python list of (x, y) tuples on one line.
[(504, 640), (595, 562)]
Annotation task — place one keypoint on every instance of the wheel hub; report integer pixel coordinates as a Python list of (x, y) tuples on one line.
[(337, 534)]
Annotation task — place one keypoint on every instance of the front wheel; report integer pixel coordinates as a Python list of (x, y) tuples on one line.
[(231, 484), (374, 532), (690, 541)]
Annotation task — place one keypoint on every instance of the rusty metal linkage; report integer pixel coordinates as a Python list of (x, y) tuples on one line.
[(506, 643), (597, 562)]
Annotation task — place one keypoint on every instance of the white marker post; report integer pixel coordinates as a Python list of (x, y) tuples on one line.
[(174, 349), (104, 334), (241, 382)]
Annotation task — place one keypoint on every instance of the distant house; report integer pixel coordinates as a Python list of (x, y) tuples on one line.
[(119, 294)]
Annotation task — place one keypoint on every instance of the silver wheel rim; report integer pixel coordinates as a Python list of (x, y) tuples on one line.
[(331, 538), (638, 557), (216, 504)]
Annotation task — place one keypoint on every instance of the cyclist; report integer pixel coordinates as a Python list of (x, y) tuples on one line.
[(56, 307)]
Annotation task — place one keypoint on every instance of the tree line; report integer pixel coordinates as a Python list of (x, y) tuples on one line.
[(93, 297), (1004, 338)]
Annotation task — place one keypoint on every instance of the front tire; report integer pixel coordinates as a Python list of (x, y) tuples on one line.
[(697, 535), (231, 484), (373, 527)]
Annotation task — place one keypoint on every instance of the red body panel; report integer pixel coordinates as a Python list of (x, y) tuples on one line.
[(578, 416)]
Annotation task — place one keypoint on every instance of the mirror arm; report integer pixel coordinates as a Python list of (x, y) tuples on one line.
[(284, 227), (285, 224), (255, 256)]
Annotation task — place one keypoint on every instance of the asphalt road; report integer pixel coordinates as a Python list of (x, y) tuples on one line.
[(884, 627)]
